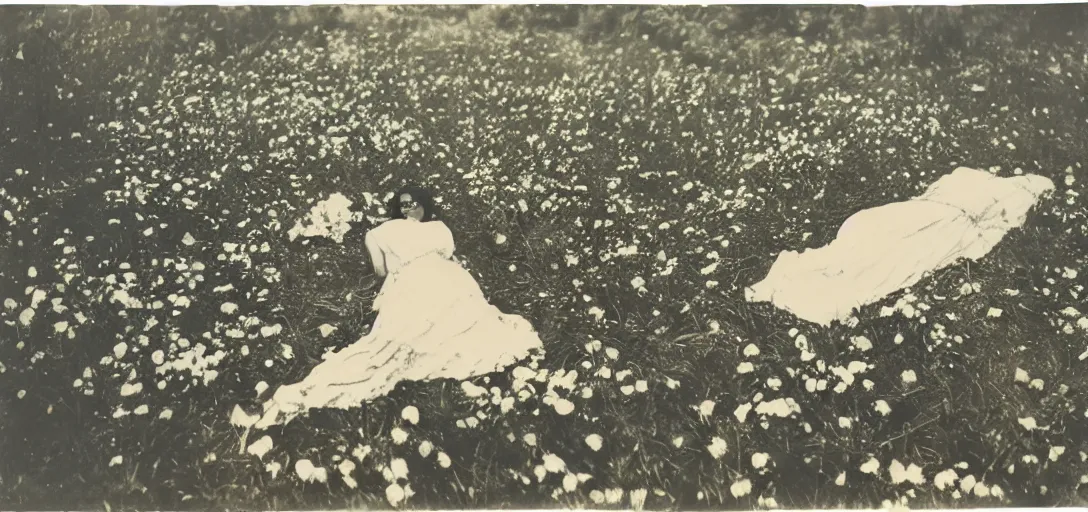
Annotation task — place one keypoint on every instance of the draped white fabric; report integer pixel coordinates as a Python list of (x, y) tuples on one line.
[(881, 250), (433, 323)]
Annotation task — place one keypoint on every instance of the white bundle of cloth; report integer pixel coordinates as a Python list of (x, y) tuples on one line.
[(881, 250)]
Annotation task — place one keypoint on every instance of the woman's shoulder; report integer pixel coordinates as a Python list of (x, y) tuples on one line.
[(382, 228), (392, 225), (438, 225)]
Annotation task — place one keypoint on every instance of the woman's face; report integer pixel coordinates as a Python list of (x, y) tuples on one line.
[(410, 208)]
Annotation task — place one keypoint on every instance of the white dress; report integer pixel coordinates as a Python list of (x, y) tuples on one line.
[(433, 323)]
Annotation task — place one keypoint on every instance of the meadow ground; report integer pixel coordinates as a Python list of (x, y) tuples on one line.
[(617, 193)]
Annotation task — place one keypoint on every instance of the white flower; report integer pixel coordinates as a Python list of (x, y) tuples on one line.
[(706, 408), (882, 407), (239, 418), (945, 479), (717, 447), (742, 411), (425, 449), (760, 460), (399, 436), (129, 389), (751, 350), (870, 467), (399, 467), (471, 390), (120, 349), (349, 481), (116, 461), (745, 367), (981, 490), (594, 442), (1028, 423), (271, 330), (26, 316), (967, 483), (360, 452), (638, 282), (444, 460), (326, 330), (570, 482), (900, 474), (553, 464), (228, 308), (741, 488), (530, 439), (909, 377), (861, 343), (394, 494), (260, 447), (638, 499), (307, 472), (781, 407), (563, 406)]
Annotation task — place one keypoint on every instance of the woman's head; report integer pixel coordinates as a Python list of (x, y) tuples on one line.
[(412, 202)]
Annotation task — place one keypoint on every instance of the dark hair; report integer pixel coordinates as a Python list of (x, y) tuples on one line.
[(421, 195)]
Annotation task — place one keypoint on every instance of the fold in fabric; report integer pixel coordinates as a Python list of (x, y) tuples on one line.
[(433, 323), (881, 250)]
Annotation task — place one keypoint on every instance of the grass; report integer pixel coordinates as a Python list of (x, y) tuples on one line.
[(537, 137)]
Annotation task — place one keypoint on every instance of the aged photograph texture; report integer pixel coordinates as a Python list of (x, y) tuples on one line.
[(641, 257)]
